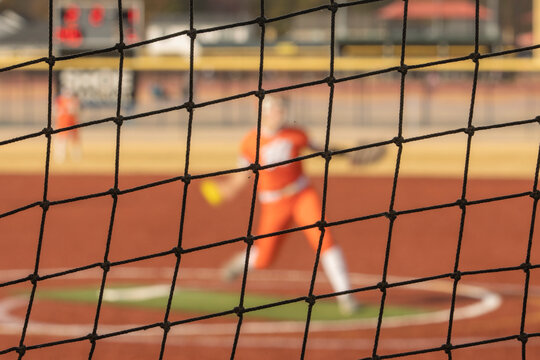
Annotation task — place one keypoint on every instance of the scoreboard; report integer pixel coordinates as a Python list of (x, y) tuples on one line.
[(93, 24), (85, 25)]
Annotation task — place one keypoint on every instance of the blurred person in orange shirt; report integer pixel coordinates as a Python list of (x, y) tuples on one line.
[(284, 194), (67, 108)]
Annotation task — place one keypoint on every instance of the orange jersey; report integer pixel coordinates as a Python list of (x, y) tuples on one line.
[(284, 145), (66, 111)]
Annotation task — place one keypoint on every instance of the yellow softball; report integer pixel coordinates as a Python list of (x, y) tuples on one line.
[(211, 193)]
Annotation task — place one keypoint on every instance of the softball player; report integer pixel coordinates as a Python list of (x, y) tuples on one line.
[(284, 194), (67, 113)]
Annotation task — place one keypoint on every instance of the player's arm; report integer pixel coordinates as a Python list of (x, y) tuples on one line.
[(316, 148), (217, 190), (231, 185), (358, 157)]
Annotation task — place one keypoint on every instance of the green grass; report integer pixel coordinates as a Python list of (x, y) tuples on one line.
[(198, 301)]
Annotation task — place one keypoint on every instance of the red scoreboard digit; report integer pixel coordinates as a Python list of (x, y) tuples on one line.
[(89, 25)]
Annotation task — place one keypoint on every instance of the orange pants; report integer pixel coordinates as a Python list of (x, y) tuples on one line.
[(64, 121), (304, 208)]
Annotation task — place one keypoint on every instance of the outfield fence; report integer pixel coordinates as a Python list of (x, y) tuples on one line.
[(433, 100)]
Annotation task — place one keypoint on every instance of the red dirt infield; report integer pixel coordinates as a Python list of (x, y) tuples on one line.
[(496, 235)]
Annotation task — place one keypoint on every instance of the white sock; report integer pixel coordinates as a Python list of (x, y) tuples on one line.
[(76, 153), (253, 253), (59, 149), (335, 269), (239, 260)]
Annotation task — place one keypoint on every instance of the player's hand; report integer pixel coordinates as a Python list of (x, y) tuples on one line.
[(366, 156), (211, 192)]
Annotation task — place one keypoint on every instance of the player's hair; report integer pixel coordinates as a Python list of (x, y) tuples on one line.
[(276, 100)]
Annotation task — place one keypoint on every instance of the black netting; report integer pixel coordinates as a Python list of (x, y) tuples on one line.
[(396, 139)]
